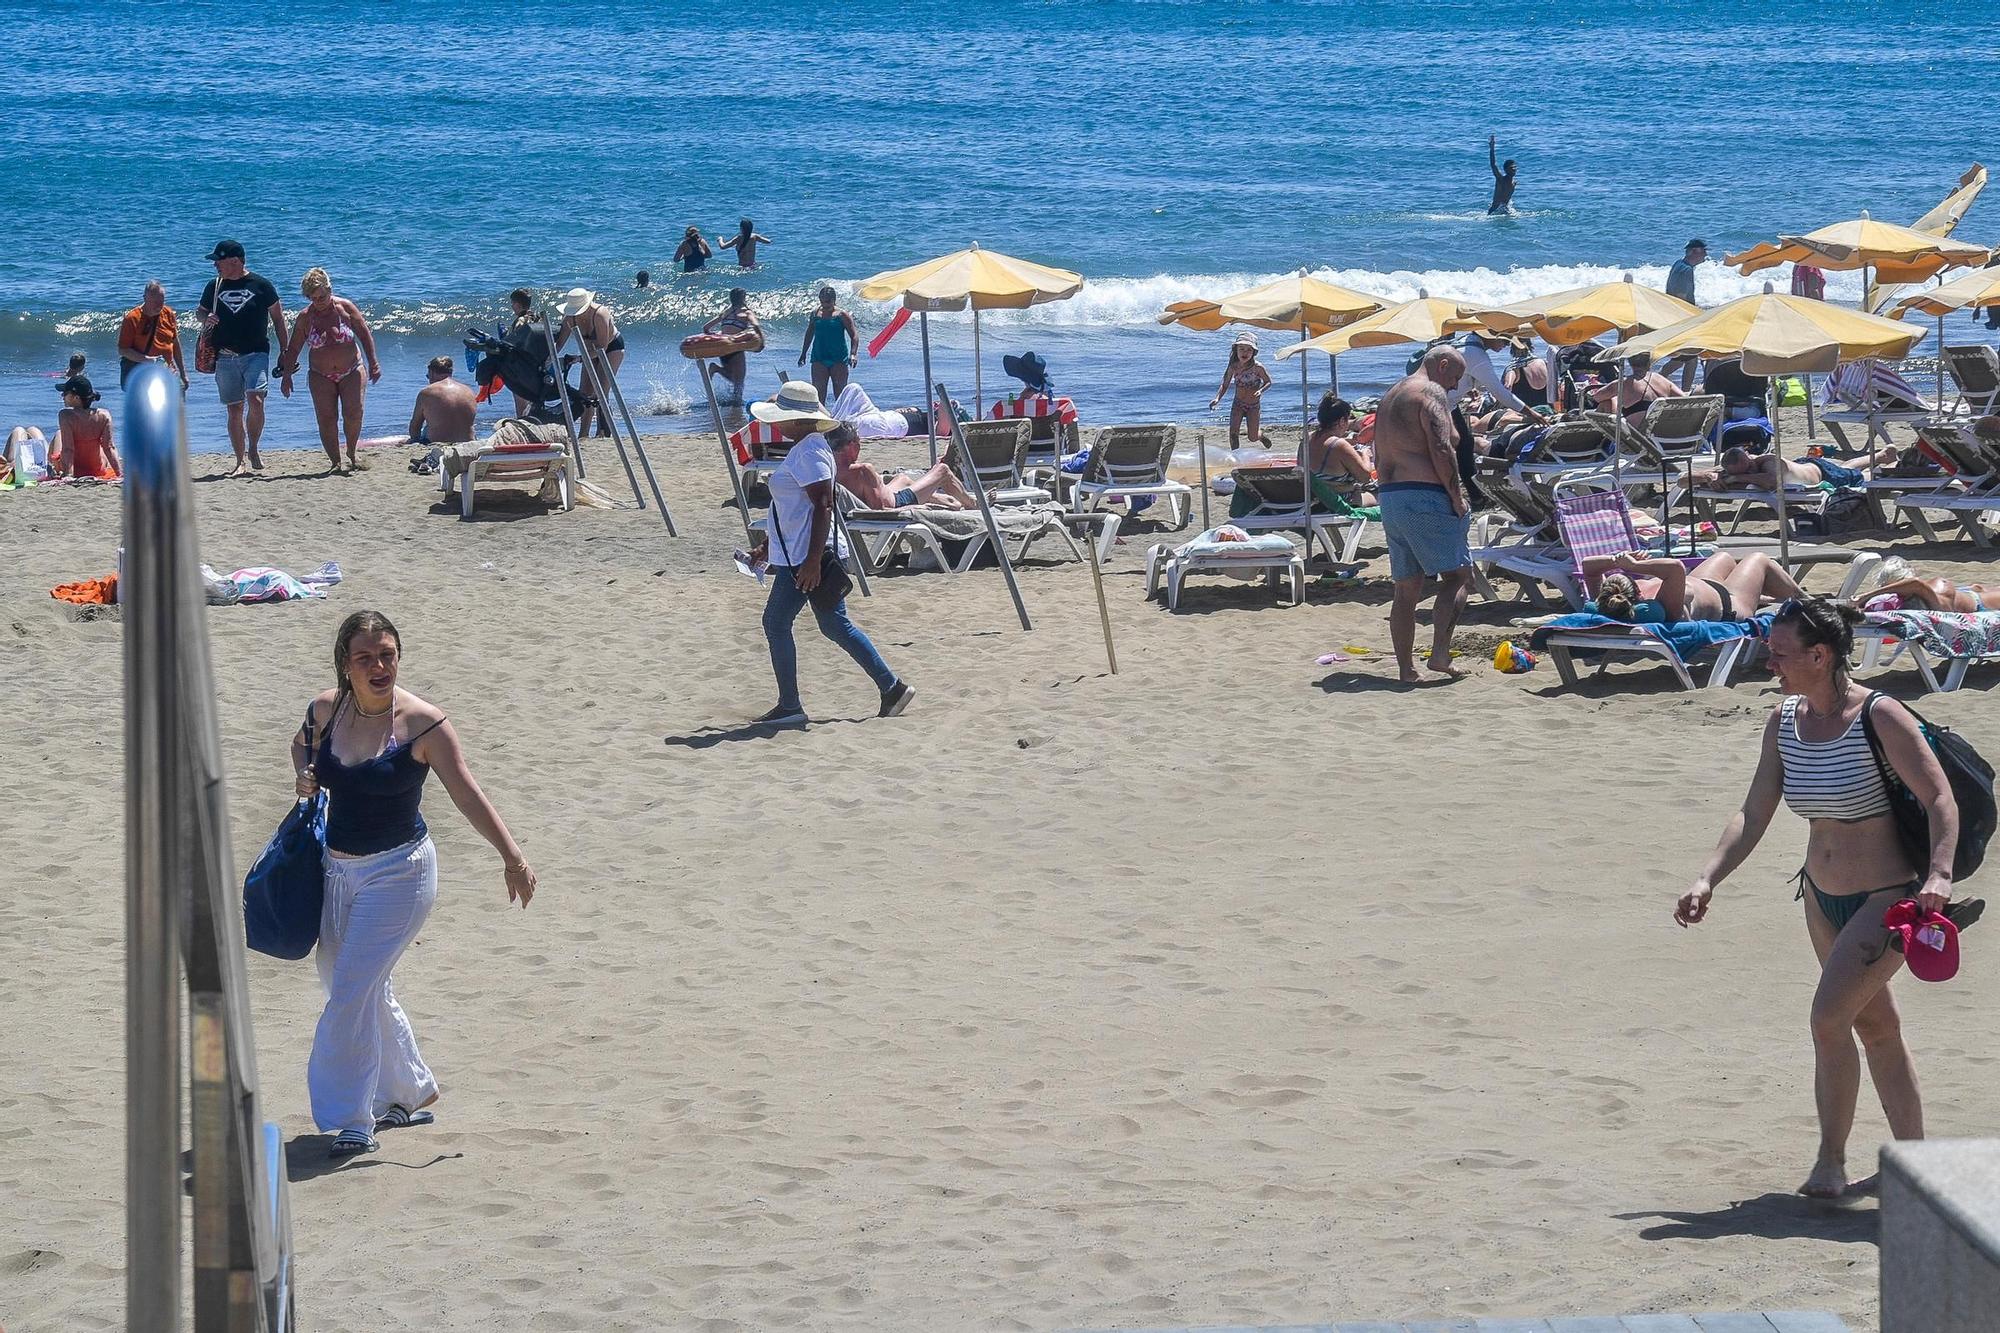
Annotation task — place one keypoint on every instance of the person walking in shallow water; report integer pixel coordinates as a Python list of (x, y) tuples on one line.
[(1818, 759), (1503, 177)]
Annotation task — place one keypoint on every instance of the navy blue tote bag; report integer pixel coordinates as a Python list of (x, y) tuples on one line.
[(283, 891)]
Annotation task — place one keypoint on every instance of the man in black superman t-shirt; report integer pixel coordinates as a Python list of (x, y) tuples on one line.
[(236, 311)]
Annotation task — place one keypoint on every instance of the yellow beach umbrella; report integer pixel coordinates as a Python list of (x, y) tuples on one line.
[(1420, 321), (1287, 303), (1777, 335), (1895, 253), (1566, 318), (1980, 287), (975, 278)]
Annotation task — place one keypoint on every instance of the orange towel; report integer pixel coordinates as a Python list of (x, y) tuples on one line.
[(102, 591)]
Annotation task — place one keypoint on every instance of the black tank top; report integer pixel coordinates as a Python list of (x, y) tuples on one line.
[(371, 806)]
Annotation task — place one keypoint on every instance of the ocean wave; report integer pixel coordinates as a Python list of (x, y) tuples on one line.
[(1128, 302)]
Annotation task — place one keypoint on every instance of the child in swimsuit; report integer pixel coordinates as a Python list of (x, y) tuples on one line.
[(1250, 379)]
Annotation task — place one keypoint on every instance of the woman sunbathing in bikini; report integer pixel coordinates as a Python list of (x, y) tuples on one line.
[(1933, 595), (1655, 590)]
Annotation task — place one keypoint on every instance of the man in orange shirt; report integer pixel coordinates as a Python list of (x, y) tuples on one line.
[(150, 333)]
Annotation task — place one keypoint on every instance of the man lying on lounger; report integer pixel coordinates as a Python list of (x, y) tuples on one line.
[(1743, 470), (938, 488)]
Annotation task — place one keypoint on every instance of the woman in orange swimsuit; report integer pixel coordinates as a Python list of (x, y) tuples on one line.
[(336, 338), (83, 434)]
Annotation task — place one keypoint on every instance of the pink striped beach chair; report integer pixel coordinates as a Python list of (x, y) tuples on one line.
[(1596, 523)]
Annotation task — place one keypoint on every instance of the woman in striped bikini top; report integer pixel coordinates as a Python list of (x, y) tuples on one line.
[(1817, 757)]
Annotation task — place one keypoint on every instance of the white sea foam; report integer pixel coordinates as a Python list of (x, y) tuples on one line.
[(1136, 302)]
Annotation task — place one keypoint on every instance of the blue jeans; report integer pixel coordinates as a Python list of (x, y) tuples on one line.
[(783, 607)]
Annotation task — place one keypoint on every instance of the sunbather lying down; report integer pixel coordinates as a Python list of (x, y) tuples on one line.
[(1660, 590), (1933, 595), (938, 488), (1744, 470)]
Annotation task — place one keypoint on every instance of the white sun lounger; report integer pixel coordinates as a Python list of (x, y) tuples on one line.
[(1174, 564), (535, 464)]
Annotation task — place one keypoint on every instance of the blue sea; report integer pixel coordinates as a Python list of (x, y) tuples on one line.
[(434, 156)]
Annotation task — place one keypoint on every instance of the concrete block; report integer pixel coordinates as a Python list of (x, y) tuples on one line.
[(1941, 1236)]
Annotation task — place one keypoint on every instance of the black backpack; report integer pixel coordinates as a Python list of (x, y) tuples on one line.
[(1971, 780)]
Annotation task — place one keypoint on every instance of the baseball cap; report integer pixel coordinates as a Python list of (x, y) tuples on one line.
[(226, 250), (81, 386), (1929, 941)]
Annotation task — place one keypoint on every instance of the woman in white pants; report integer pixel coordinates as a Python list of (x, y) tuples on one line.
[(372, 747)]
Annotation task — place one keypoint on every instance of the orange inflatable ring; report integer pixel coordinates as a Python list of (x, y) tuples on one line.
[(699, 346)]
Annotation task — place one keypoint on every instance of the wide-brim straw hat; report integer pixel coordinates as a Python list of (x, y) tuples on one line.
[(796, 401), (575, 301)]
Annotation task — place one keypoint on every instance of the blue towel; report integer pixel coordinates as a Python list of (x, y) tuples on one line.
[(1750, 432), (1688, 638)]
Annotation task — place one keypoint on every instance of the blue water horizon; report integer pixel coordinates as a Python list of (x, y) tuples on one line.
[(433, 157)]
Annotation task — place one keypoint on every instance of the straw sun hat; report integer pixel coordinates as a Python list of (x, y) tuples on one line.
[(575, 302), (797, 401)]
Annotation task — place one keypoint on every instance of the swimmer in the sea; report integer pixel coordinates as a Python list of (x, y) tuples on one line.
[(744, 243), (1503, 177)]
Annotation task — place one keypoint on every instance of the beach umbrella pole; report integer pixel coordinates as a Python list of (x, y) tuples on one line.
[(1777, 451), (1201, 449), (1305, 393), (1103, 609), (1333, 372), (930, 408), (728, 454), (978, 372), (986, 510), (1305, 428)]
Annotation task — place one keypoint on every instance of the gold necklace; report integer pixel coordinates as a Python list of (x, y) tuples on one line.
[(359, 711)]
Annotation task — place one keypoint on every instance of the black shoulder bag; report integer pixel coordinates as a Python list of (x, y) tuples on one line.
[(1970, 778), (834, 582)]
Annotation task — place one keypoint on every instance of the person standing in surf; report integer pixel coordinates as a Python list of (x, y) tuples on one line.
[(744, 243), (1503, 177), (833, 343)]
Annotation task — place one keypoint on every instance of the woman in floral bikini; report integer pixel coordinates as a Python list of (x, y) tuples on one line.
[(336, 338), (1247, 373)]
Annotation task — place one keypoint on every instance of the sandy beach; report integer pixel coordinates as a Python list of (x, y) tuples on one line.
[(1230, 989)]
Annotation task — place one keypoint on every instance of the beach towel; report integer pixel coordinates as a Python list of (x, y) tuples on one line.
[(263, 583), (961, 525), (1944, 633), (101, 591), (1750, 433), (853, 406), (1231, 541), (524, 437), (1688, 638)]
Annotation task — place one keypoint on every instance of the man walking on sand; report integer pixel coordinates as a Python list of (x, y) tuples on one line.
[(445, 408), (1424, 510), (234, 309)]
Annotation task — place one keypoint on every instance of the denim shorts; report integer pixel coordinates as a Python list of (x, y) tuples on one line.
[(1838, 474), (240, 375), (1425, 536)]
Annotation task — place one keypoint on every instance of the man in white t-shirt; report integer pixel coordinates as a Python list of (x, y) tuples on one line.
[(798, 532)]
